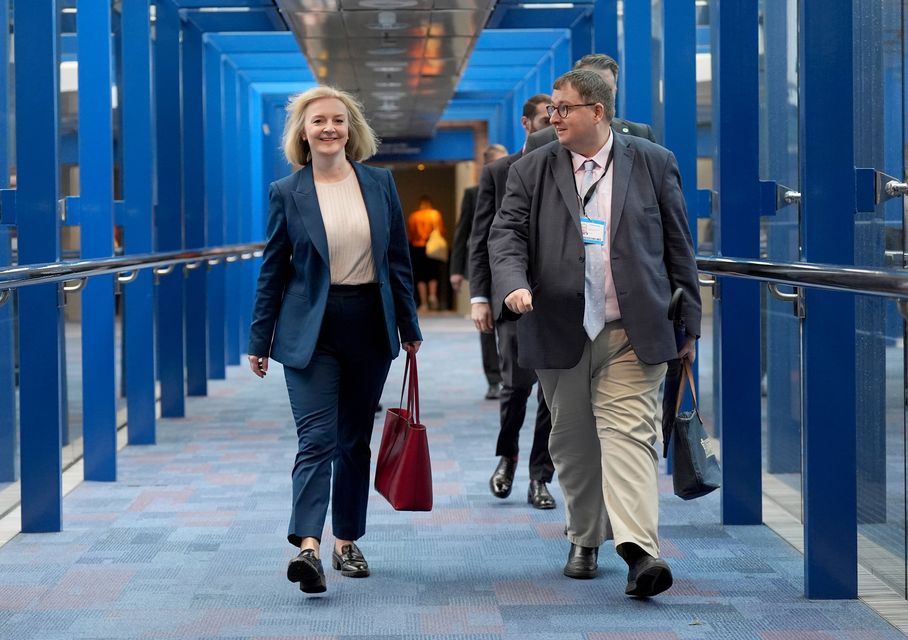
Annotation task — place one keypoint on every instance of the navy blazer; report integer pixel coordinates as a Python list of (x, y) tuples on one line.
[(293, 283), (535, 243)]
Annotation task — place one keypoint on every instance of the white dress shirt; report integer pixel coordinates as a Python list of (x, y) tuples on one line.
[(603, 202)]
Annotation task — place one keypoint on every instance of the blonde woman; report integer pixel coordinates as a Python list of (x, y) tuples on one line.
[(334, 303)]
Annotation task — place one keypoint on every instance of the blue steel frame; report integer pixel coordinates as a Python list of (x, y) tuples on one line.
[(828, 203), (169, 231), (38, 228), (96, 220), (196, 303), (605, 27), (635, 79), (737, 312), (9, 441), (138, 227)]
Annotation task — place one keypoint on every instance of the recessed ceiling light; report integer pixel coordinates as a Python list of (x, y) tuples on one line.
[(387, 51), (388, 4)]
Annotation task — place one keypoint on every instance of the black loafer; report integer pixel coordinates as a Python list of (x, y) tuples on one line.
[(538, 495), (648, 576), (307, 570), (502, 480), (493, 392), (350, 561), (582, 562)]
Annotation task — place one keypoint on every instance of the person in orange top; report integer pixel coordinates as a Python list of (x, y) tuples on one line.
[(420, 224)]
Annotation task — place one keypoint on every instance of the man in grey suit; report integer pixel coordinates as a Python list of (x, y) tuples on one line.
[(517, 382), (460, 251), (606, 67), (590, 242)]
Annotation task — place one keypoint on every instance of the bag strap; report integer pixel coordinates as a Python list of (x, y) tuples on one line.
[(403, 386), (686, 379), (413, 397)]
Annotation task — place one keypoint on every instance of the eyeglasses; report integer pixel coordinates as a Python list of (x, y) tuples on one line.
[(564, 110)]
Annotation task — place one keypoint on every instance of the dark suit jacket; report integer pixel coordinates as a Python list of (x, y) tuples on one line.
[(295, 276), (547, 135), (492, 185), (460, 249), (535, 243)]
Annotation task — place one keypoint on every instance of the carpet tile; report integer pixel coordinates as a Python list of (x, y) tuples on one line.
[(190, 543)]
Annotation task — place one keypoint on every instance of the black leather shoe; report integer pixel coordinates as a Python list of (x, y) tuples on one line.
[(582, 562), (648, 576), (538, 495), (307, 570), (502, 480), (494, 391), (350, 561)]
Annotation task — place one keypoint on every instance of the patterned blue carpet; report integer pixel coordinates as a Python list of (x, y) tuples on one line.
[(190, 543)]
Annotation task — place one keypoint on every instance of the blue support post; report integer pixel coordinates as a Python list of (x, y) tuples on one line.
[(244, 163), (38, 227), (194, 202), (827, 210), (679, 115), (231, 177), (9, 443), (214, 204), (605, 27), (99, 428), (169, 214), (138, 228), (737, 314), (635, 94)]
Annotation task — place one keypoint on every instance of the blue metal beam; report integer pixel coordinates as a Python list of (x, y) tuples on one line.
[(196, 321), (38, 227), (138, 227), (605, 27), (99, 411), (9, 442), (827, 219), (737, 316), (635, 96), (169, 214)]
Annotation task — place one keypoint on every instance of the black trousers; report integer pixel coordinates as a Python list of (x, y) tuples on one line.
[(333, 401), (490, 366), (516, 385)]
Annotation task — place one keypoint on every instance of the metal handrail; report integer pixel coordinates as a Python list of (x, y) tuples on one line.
[(24, 275), (889, 283)]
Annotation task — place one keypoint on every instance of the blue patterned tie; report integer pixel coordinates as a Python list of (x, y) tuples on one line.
[(594, 276)]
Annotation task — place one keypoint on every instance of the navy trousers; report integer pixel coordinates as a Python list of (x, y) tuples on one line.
[(333, 401)]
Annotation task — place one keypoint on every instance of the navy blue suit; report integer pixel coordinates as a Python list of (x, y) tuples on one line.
[(336, 342)]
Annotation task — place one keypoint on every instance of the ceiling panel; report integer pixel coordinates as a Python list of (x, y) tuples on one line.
[(402, 58)]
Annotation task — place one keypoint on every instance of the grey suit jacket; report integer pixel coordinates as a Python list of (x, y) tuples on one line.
[(547, 135), (535, 243), (460, 248), (492, 184)]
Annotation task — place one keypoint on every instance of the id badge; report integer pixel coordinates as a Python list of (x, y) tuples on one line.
[(593, 231)]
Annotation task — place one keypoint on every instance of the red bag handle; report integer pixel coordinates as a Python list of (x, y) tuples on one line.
[(411, 376)]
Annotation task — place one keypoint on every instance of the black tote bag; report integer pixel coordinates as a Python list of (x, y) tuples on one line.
[(695, 469)]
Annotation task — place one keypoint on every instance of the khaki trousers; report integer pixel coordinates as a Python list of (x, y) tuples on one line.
[(603, 442)]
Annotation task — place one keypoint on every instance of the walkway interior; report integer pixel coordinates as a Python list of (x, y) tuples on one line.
[(190, 543)]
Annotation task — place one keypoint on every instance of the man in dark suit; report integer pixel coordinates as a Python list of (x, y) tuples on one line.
[(517, 382), (606, 67), (458, 267), (590, 242)]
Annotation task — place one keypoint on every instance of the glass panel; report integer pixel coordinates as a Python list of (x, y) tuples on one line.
[(9, 414), (72, 422), (880, 378), (780, 241), (879, 242)]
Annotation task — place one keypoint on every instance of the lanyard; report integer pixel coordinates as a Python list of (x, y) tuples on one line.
[(589, 192)]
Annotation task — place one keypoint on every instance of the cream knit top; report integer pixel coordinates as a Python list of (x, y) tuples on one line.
[(347, 227)]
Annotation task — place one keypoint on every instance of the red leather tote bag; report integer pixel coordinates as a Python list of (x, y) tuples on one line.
[(403, 472)]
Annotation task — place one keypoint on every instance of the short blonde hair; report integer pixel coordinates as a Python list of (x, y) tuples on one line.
[(361, 142)]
